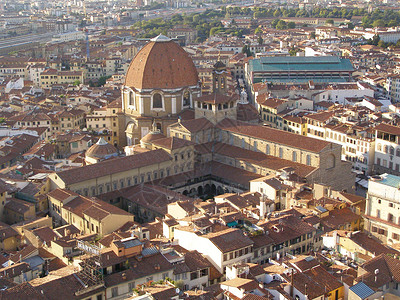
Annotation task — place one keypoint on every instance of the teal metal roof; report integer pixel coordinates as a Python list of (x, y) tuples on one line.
[(305, 79), (390, 180), (298, 63)]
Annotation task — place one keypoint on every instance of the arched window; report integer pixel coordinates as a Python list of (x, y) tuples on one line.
[(391, 150), (379, 147), (157, 101), (385, 149), (186, 98), (294, 156), (268, 150), (398, 152), (158, 126), (280, 152)]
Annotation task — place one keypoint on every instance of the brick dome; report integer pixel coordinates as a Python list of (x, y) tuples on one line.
[(161, 64), (101, 150), (152, 136)]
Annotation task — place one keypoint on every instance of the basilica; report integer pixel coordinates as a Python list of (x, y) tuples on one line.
[(162, 99), (161, 83), (197, 144)]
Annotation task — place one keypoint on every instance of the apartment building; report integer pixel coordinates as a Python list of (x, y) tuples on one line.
[(89, 215), (382, 208), (50, 77), (387, 149), (106, 119)]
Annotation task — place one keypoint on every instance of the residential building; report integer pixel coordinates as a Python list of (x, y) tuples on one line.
[(105, 119), (222, 248), (89, 215), (381, 212), (50, 77), (387, 149), (189, 34), (379, 277)]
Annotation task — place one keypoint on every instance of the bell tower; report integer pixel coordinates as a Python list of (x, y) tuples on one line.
[(219, 76)]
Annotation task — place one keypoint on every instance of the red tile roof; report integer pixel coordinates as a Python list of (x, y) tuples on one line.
[(161, 65), (388, 129), (196, 125), (172, 143), (274, 135), (114, 166)]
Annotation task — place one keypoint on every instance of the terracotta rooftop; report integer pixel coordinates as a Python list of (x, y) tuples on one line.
[(388, 129), (229, 239), (217, 98), (113, 166), (389, 270), (161, 64), (196, 125), (172, 143), (274, 135)]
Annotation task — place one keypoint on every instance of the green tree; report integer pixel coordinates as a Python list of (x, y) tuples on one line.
[(292, 51), (329, 22), (382, 44), (277, 13), (274, 23), (281, 25), (214, 30), (392, 23), (196, 18), (291, 25), (102, 80), (375, 40), (76, 82), (246, 50), (312, 35), (366, 21), (378, 23), (260, 40)]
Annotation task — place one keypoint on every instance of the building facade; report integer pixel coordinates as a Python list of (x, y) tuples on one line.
[(161, 82), (382, 208)]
